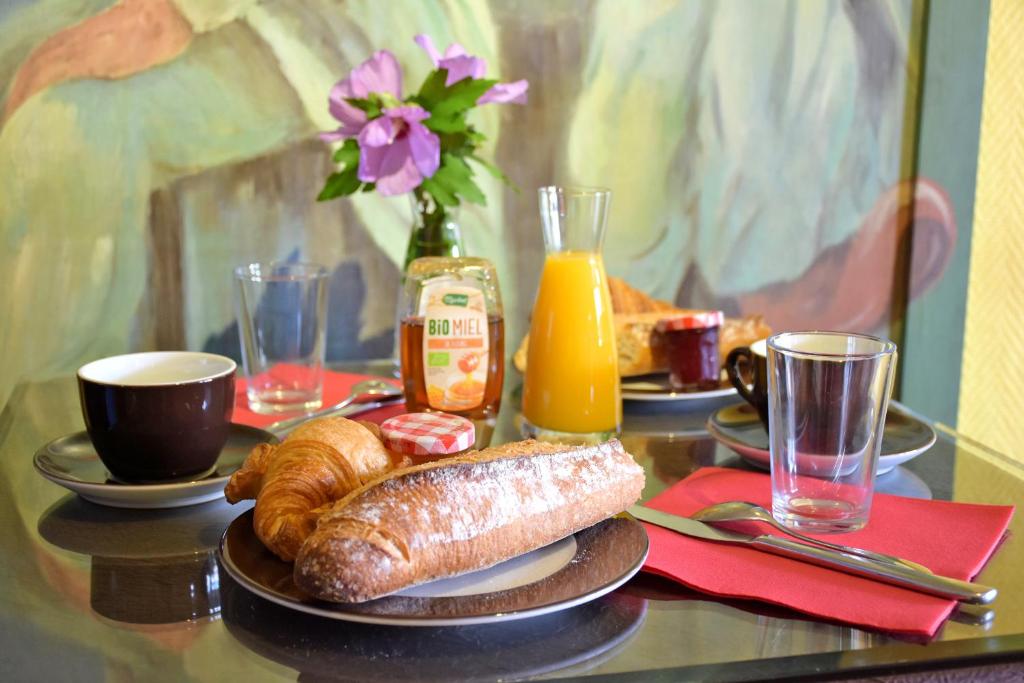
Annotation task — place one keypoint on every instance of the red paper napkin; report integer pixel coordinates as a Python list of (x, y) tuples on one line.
[(337, 386), (954, 539)]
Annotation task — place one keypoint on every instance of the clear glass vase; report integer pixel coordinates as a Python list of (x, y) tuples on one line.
[(435, 230)]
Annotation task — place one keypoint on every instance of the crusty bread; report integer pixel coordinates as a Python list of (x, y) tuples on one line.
[(737, 332), (462, 514), (629, 299), (640, 348)]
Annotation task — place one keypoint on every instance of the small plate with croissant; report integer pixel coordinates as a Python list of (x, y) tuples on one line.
[(643, 364), (344, 529)]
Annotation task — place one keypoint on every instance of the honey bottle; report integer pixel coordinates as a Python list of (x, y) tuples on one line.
[(452, 337)]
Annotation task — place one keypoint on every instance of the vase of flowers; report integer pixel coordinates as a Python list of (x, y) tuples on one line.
[(422, 144), (435, 229)]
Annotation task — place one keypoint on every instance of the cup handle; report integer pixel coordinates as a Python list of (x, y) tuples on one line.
[(732, 369)]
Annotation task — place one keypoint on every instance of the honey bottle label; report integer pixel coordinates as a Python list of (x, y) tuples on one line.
[(456, 348)]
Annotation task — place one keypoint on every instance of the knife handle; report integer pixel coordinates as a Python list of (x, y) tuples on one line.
[(933, 584)]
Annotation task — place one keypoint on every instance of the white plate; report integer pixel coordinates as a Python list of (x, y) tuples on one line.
[(737, 426), (570, 572), (72, 462), (657, 388)]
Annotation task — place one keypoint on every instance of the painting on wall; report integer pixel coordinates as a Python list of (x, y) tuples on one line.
[(756, 153)]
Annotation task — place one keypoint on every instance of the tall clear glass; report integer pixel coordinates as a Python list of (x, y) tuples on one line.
[(282, 323), (827, 397), (571, 391)]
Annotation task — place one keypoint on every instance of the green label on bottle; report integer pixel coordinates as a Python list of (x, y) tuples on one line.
[(438, 359), (455, 299)]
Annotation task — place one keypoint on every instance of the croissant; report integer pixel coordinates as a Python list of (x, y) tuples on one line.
[(316, 464)]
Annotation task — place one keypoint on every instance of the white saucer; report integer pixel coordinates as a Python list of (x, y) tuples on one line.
[(656, 387), (72, 462), (737, 426)]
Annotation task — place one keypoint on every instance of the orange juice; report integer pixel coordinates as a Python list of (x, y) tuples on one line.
[(572, 378)]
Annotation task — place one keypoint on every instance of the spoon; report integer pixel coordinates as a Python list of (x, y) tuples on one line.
[(370, 390), (737, 511)]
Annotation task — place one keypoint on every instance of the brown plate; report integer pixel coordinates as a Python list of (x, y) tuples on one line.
[(571, 642), (567, 573)]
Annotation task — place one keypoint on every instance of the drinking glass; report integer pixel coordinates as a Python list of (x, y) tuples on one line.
[(571, 389), (827, 397), (282, 323)]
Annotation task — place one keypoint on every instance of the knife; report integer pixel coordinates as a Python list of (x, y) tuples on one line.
[(283, 427), (932, 584)]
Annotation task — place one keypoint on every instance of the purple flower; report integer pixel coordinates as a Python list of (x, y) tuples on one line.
[(397, 151), (378, 74), (461, 65), (506, 93)]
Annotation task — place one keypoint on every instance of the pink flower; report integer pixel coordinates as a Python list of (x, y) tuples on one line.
[(397, 151), (378, 74), (461, 65)]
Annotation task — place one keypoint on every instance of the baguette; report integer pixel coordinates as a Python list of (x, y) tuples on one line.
[(462, 514)]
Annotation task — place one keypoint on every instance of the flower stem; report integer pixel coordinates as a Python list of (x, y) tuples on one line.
[(434, 231)]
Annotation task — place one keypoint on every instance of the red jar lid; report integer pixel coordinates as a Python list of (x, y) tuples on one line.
[(427, 434), (698, 320)]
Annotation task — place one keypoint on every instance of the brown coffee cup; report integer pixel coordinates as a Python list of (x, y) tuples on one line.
[(158, 416), (755, 358), (159, 590)]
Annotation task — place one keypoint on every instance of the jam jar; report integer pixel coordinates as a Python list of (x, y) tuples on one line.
[(427, 436), (691, 345)]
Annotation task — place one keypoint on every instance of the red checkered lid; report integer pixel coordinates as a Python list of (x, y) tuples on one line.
[(695, 320), (427, 433)]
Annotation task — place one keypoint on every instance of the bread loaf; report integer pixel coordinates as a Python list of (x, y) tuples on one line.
[(640, 348), (462, 514), (629, 299)]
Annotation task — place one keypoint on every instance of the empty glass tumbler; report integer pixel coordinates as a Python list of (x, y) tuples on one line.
[(827, 397), (282, 323)]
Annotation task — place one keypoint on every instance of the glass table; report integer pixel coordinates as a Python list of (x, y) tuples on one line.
[(95, 593)]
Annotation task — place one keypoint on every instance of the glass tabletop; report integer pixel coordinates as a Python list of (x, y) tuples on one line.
[(93, 593)]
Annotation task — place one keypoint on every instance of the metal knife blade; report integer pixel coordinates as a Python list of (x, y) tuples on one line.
[(687, 526), (933, 584), (283, 427)]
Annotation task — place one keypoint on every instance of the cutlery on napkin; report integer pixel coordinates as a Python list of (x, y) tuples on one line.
[(905, 577), (951, 539)]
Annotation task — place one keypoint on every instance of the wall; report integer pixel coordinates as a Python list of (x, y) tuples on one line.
[(757, 152), (992, 383)]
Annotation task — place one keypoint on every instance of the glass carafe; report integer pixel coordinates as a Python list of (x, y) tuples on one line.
[(571, 391)]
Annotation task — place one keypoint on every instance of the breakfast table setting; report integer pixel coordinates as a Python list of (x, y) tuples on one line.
[(92, 590), (631, 491)]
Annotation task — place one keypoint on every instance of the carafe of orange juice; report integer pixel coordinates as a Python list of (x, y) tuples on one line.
[(571, 391)]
